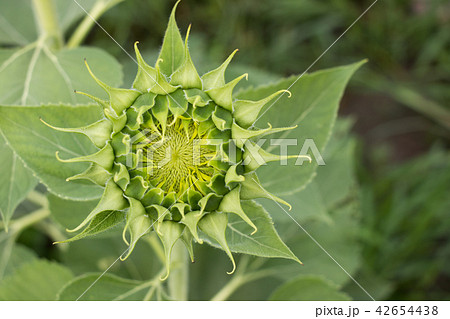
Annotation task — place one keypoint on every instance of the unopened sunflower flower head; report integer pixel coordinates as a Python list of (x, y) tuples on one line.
[(176, 153)]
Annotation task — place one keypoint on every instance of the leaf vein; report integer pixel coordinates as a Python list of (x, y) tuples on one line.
[(31, 66), (44, 138)]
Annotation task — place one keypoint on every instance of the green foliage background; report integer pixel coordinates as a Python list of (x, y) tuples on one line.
[(380, 206)]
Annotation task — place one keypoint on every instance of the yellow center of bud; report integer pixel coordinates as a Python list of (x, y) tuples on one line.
[(178, 158)]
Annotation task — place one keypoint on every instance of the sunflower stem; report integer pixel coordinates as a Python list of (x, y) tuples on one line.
[(83, 29), (179, 276), (32, 218), (240, 278), (47, 21), (38, 198)]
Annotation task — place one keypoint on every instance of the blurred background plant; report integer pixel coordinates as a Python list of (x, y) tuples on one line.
[(388, 157)]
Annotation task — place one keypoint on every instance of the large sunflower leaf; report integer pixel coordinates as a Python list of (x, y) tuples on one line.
[(36, 280), (20, 29), (34, 74), (108, 288), (313, 107), (15, 182), (36, 144), (308, 288)]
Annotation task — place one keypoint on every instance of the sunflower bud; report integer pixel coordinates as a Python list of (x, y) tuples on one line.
[(176, 152)]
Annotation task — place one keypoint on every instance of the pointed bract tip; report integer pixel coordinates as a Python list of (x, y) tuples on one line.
[(96, 79), (167, 271), (124, 237), (51, 126), (40, 119), (157, 63), (236, 80), (60, 159), (306, 157), (87, 65), (127, 253), (234, 268), (175, 6), (187, 37)]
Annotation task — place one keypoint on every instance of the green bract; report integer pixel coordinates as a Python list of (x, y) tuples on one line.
[(175, 152)]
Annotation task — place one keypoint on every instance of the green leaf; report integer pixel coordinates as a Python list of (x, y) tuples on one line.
[(20, 256), (336, 180), (340, 238), (328, 210), (37, 280), (308, 288), (313, 106), (264, 243), (13, 256), (68, 213), (172, 50), (36, 144), (69, 11), (15, 181), (107, 288), (33, 74), (20, 29), (333, 184), (17, 29), (97, 254)]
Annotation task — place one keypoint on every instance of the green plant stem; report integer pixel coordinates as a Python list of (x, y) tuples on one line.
[(156, 283), (38, 215), (20, 224), (47, 21), (239, 279), (150, 293), (179, 276), (34, 217), (99, 8), (38, 198)]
